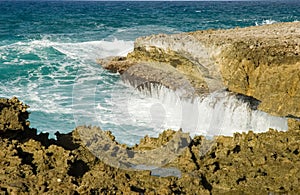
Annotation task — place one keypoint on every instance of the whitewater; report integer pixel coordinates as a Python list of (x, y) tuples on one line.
[(48, 53)]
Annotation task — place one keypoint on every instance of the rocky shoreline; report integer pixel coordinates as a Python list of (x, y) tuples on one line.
[(257, 62), (260, 62), (245, 163)]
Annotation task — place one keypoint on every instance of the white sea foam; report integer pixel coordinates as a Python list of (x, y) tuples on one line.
[(47, 79), (220, 113), (95, 49), (264, 22), (65, 80)]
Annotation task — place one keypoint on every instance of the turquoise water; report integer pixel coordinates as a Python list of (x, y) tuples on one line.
[(48, 52)]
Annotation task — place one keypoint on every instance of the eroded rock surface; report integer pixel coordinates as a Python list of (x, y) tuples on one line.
[(13, 115), (249, 163), (262, 62)]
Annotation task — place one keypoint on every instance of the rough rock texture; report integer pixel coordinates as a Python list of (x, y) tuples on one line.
[(13, 115), (244, 164), (144, 74), (262, 62)]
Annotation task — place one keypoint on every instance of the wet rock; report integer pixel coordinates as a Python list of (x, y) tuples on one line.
[(115, 64), (260, 62), (246, 163)]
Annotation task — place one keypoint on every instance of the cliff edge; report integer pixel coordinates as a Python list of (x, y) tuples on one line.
[(262, 62)]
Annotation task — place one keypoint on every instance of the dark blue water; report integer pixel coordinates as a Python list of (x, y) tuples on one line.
[(48, 52)]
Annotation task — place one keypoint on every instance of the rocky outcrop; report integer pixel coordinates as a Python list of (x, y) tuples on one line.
[(262, 62), (246, 163), (13, 115)]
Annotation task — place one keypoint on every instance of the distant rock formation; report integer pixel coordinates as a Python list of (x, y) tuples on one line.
[(262, 62)]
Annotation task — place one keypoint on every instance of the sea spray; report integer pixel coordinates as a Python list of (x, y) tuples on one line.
[(43, 46), (43, 72), (218, 113)]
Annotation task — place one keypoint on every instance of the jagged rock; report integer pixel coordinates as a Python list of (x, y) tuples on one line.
[(115, 64), (116, 155), (246, 163), (13, 115), (262, 62), (257, 61)]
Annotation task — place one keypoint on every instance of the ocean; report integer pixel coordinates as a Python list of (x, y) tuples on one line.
[(48, 53)]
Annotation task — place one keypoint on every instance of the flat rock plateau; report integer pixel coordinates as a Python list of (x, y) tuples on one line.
[(261, 62)]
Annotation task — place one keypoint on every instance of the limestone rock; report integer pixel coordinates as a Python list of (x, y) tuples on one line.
[(262, 62), (115, 64), (13, 115), (246, 163)]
